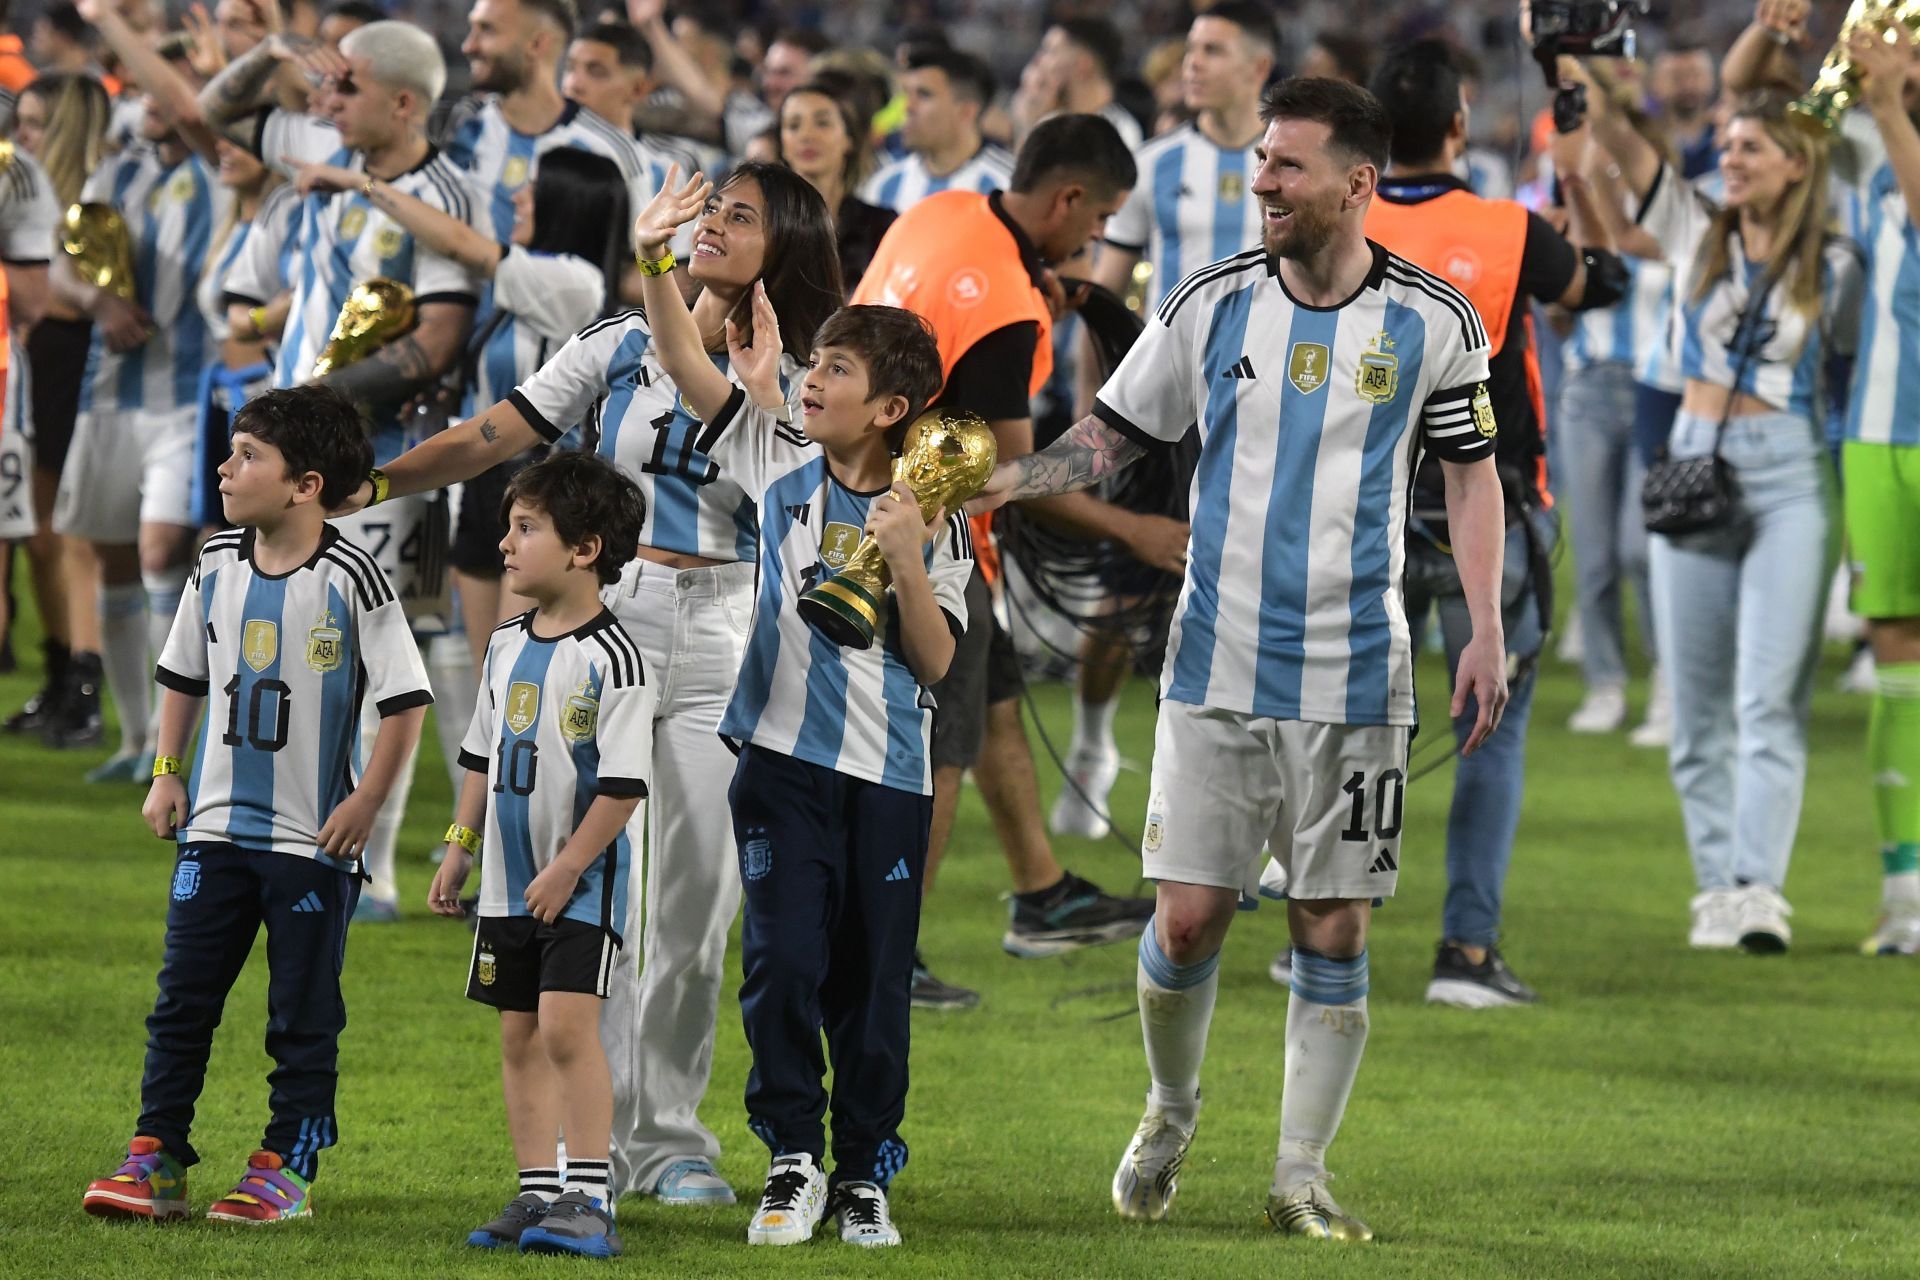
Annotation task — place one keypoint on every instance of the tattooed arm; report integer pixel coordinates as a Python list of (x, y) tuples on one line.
[(246, 87), (1085, 454), (459, 453), (391, 375)]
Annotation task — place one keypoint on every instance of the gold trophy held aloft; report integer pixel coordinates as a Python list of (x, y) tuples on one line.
[(946, 458), (374, 314), (95, 236), (1836, 90)]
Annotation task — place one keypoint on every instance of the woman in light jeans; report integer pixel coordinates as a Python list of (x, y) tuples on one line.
[(1763, 300)]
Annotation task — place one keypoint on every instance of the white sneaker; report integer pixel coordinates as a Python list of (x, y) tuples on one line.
[(1657, 729), (1304, 1208), (1898, 933), (1149, 1174), (1604, 710), (1572, 648), (1081, 808), (864, 1220), (1715, 920), (1860, 676), (1761, 917), (793, 1203)]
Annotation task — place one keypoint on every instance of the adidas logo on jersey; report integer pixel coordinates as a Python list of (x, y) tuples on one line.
[(900, 871), (1242, 368), (1382, 863), (310, 903)]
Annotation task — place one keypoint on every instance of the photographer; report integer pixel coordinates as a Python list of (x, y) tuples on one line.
[(1502, 257), (1764, 301)]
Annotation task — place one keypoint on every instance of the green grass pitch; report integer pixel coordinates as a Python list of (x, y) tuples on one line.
[(1661, 1114)]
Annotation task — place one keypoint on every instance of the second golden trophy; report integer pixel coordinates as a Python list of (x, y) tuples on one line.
[(374, 314), (946, 458)]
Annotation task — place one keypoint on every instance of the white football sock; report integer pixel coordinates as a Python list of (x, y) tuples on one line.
[(123, 652), (1326, 1034), (163, 591), (590, 1177), (385, 838), (455, 687), (1093, 727), (1176, 1007)]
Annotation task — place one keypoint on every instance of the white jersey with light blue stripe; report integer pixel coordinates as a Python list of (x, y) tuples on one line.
[(341, 240), (29, 212), (171, 211), (1312, 422), (546, 299), (1628, 331), (284, 663), (1884, 406), (609, 379), (1786, 349), (904, 183), (1192, 205), (262, 239), (560, 721), (860, 712)]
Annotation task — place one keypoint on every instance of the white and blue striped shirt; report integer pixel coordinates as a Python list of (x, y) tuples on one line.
[(341, 240), (904, 183), (1193, 204), (171, 211), (284, 663), (1628, 331), (860, 712), (1787, 349), (560, 721), (29, 212), (1312, 422), (609, 379), (1884, 405), (260, 244)]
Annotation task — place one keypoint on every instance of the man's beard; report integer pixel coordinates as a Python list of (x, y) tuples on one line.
[(504, 75), (1307, 235)]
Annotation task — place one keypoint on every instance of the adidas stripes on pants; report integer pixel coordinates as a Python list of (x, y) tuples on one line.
[(832, 869), (220, 897)]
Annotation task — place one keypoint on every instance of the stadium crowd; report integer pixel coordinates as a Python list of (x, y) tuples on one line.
[(540, 362)]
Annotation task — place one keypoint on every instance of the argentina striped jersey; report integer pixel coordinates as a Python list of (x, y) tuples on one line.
[(559, 721), (1193, 204), (906, 182), (609, 379), (284, 663), (858, 712), (1312, 421), (29, 212), (171, 211), (1630, 331), (1884, 407)]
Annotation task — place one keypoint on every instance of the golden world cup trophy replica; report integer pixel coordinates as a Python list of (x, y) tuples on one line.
[(1836, 90), (945, 459), (95, 236), (374, 314)]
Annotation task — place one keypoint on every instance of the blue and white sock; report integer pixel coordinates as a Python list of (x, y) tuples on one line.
[(1326, 1034), (1176, 1007)]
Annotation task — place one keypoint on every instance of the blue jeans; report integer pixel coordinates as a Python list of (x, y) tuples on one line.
[(1600, 479), (1486, 785), (1738, 616)]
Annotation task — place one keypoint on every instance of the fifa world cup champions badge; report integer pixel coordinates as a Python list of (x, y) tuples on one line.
[(259, 643), (523, 705), (1307, 366)]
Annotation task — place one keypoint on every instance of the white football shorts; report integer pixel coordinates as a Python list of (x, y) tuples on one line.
[(124, 469)]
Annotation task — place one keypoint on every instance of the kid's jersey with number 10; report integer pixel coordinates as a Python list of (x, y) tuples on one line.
[(284, 663), (609, 379)]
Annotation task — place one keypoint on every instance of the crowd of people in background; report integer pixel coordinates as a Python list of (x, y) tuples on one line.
[(1677, 270)]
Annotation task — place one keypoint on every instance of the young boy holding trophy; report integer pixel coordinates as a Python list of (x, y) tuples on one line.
[(832, 795)]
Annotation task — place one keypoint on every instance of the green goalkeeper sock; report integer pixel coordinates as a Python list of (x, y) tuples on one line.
[(1893, 756)]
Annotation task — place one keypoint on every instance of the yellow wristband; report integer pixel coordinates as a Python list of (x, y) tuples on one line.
[(656, 266), (378, 479), (466, 837), (257, 317), (166, 766)]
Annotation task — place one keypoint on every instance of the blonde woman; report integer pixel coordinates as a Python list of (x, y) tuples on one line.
[(1764, 300)]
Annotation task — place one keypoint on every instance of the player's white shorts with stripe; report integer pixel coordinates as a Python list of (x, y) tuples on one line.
[(1325, 799), (124, 469), (407, 538), (16, 486)]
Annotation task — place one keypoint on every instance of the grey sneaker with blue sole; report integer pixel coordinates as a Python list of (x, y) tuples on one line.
[(576, 1223), (504, 1231)]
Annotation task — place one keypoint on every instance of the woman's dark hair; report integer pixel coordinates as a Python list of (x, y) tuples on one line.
[(859, 158), (801, 267), (580, 207)]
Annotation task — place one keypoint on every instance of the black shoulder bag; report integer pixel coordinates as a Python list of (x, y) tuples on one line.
[(1691, 495)]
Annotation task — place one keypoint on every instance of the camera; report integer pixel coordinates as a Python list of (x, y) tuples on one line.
[(1583, 29)]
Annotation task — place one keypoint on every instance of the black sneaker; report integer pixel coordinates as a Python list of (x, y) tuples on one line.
[(523, 1211), (75, 721), (1465, 985), (30, 718), (1072, 914), (928, 992), (576, 1223)]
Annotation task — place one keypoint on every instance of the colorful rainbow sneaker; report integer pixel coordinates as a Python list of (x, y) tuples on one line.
[(270, 1192), (150, 1185)]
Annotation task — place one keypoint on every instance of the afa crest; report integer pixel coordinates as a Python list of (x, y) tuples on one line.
[(756, 858), (1307, 366), (580, 716), (389, 241), (326, 646), (514, 172), (1378, 380), (260, 643), (1233, 187), (523, 705), (483, 967), (1483, 419), (186, 880), (837, 543), (352, 223)]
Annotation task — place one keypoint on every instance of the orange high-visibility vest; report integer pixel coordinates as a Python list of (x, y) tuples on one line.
[(951, 260), (1476, 245)]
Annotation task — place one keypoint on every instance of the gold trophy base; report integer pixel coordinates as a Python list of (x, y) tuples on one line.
[(843, 612)]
